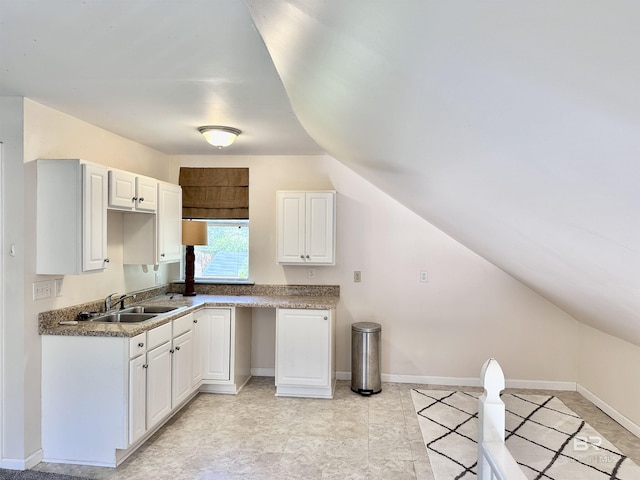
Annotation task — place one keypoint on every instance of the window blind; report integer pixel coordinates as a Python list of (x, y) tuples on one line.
[(215, 193)]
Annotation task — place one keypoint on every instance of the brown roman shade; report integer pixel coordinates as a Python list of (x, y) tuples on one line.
[(215, 193)]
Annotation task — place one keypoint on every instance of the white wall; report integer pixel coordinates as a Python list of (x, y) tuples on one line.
[(468, 311), (20, 405)]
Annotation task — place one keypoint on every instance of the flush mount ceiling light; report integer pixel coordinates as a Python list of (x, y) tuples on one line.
[(219, 136)]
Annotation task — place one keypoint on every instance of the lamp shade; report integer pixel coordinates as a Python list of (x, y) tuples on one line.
[(194, 232), (219, 136)]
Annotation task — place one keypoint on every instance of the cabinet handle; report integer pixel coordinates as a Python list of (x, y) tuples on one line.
[(134, 199), (171, 351), (195, 320), (307, 256), (141, 199), (302, 257), (145, 366), (326, 318), (162, 254), (177, 348), (106, 260), (141, 344)]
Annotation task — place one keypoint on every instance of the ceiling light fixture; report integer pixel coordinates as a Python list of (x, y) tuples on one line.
[(219, 136)]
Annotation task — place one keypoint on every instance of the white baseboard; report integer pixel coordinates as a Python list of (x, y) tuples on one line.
[(17, 464), (263, 372), (541, 385), (609, 410), (466, 382)]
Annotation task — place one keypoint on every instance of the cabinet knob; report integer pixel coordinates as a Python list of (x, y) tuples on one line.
[(141, 199), (177, 348), (326, 318), (171, 351), (106, 260), (302, 257), (195, 320), (134, 199), (307, 256), (145, 365), (141, 344), (162, 254)]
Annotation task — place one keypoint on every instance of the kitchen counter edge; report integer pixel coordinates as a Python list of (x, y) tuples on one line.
[(50, 324)]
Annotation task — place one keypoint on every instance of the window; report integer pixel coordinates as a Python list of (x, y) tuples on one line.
[(226, 257)]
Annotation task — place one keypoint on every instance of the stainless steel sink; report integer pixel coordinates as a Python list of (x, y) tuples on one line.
[(148, 309), (124, 317)]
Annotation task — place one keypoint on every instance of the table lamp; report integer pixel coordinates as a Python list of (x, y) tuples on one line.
[(194, 232)]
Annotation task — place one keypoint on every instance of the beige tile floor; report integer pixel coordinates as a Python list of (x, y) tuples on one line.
[(255, 435)]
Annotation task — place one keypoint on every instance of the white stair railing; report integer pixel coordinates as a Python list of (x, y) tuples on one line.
[(495, 462)]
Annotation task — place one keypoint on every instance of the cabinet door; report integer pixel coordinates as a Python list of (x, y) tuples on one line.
[(216, 333), (137, 398), (146, 194), (169, 222), (182, 367), (122, 190), (291, 227), (94, 217), (319, 227), (303, 347), (158, 384)]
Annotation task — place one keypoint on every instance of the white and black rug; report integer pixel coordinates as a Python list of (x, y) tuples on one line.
[(547, 439)]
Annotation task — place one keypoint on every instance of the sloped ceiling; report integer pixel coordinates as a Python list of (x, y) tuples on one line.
[(512, 126)]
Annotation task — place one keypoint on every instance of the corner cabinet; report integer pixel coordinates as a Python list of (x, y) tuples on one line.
[(306, 227), (71, 217), (155, 239), (169, 223), (305, 353), (225, 336)]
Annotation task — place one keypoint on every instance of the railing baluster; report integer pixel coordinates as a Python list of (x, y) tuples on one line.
[(495, 462)]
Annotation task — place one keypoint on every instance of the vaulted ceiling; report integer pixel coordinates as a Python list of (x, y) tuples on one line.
[(512, 126)]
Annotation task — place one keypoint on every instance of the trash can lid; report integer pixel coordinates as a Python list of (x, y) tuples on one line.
[(366, 327)]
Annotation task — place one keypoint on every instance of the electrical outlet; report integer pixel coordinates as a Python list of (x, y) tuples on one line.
[(424, 276), (42, 290), (158, 278), (311, 273), (357, 276)]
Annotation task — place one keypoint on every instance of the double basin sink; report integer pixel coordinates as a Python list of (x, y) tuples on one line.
[(135, 314)]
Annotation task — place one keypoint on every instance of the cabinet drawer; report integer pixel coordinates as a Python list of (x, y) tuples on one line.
[(158, 335), (182, 324), (138, 345)]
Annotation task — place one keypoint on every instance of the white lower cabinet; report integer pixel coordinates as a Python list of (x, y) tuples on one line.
[(305, 353), (182, 366), (96, 411), (226, 348), (159, 384)]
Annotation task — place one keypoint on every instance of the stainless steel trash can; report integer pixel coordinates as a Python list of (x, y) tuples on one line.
[(365, 358)]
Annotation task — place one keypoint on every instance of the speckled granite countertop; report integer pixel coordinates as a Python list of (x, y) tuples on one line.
[(259, 296)]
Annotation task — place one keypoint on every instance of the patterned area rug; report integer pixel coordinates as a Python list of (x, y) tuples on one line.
[(547, 439)]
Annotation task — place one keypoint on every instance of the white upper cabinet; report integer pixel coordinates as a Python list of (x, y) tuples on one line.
[(71, 217), (169, 223), (154, 239), (131, 192), (306, 227)]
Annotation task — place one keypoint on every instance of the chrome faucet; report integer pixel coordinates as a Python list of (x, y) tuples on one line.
[(123, 298), (107, 302)]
